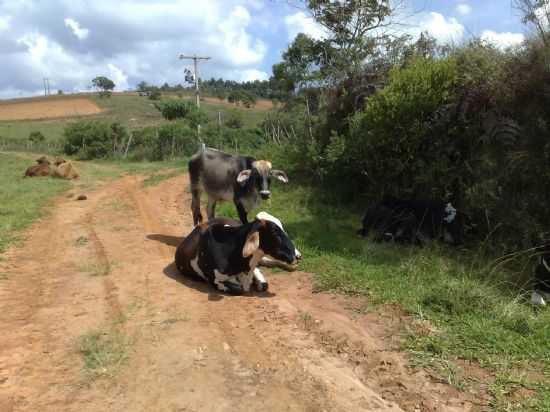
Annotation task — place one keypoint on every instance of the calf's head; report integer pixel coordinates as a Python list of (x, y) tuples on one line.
[(260, 177), (269, 238), (452, 225)]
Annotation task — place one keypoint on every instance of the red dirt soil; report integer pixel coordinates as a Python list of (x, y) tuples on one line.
[(192, 349), (26, 109)]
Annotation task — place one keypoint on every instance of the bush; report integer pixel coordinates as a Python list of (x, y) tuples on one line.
[(94, 139), (155, 94), (389, 141), (174, 109), (234, 119), (36, 137)]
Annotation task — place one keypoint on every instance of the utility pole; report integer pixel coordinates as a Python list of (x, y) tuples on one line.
[(195, 59), (46, 86)]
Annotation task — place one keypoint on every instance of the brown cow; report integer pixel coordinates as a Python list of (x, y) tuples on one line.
[(43, 168), (64, 169)]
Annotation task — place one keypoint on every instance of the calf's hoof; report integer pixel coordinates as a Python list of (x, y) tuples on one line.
[(261, 286)]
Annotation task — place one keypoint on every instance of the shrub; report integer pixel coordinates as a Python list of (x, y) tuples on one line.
[(234, 119), (94, 139), (174, 108), (36, 137), (155, 94)]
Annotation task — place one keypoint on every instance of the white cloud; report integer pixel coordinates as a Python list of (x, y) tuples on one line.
[(445, 30), (463, 9), (300, 23), (78, 31), (502, 40), (238, 45), (129, 41), (251, 75), (118, 76), (4, 22)]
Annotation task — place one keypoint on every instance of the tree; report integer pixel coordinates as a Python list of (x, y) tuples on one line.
[(104, 84), (142, 86), (353, 32), (536, 13)]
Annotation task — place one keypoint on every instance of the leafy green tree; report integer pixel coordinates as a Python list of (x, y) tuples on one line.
[(103, 83)]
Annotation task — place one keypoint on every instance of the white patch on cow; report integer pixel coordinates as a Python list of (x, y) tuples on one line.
[(538, 299), (196, 268), (451, 213), (266, 216), (259, 276), (220, 278)]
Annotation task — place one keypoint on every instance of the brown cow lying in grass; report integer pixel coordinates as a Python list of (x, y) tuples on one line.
[(64, 169), (61, 168), (43, 168)]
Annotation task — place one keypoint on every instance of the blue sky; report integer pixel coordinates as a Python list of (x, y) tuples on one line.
[(72, 41)]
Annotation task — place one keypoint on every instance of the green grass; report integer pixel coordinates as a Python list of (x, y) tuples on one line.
[(160, 177), (103, 352), (476, 313), (22, 200)]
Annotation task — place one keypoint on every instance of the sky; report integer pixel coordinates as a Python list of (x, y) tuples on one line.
[(72, 41)]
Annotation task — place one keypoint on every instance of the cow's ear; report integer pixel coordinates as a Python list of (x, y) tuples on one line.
[(280, 175), (252, 244), (244, 176)]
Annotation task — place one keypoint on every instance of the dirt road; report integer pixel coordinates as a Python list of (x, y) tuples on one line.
[(105, 264)]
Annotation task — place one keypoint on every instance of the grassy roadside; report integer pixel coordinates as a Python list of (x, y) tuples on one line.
[(23, 200), (475, 315)]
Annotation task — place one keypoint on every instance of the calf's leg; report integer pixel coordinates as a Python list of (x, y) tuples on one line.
[(196, 205)]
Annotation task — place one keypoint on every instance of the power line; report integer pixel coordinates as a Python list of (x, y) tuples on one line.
[(195, 59)]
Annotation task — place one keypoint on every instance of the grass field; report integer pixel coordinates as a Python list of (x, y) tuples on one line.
[(475, 317), (129, 109)]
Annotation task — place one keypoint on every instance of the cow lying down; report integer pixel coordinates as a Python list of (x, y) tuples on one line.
[(226, 253), (412, 221)]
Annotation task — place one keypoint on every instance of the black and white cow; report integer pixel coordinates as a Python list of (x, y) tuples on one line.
[(541, 287), (224, 177), (226, 253), (413, 221)]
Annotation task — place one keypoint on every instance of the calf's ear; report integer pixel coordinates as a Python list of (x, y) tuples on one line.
[(252, 244), (280, 175), (244, 176)]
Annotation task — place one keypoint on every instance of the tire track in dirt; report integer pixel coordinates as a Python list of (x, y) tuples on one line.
[(192, 349)]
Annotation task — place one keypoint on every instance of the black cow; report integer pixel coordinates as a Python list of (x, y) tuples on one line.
[(226, 253), (413, 221), (541, 287), (240, 179)]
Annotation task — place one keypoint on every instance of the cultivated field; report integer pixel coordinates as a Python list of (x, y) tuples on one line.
[(47, 109), (128, 108)]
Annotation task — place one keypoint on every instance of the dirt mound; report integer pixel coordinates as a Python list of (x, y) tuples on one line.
[(47, 108)]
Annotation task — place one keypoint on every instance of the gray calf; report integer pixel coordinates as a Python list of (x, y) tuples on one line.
[(241, 179)]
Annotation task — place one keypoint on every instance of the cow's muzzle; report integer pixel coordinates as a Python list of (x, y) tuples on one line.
[(265, 194)]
